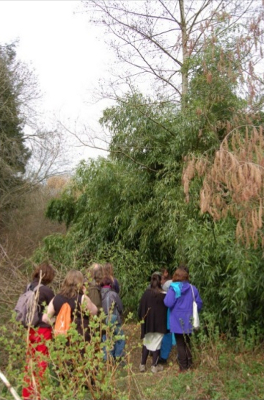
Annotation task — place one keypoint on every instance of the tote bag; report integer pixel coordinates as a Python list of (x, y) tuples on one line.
[(196, 321)]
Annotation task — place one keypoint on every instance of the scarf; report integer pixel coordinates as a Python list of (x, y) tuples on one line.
[(176, 286)]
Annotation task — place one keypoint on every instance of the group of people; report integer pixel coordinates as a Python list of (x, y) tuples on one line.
[(166, 309), (87, 296)]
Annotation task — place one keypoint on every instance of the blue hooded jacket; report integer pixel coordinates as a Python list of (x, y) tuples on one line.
[(179, 300)]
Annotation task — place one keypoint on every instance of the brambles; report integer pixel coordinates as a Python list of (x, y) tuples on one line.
[(76, 368)]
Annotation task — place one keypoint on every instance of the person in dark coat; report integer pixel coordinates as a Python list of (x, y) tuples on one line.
[(153, 312)]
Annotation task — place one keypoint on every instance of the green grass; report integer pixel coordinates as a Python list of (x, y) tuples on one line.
[(235, 382), (222, 371)]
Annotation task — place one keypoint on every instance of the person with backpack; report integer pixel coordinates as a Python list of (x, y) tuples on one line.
[(38, 334), (108, 271), (72, 298), (113, 308)]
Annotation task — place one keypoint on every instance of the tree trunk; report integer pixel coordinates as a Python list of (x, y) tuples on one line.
[(184, 70)]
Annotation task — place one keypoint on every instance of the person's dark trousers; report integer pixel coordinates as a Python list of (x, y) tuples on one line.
[(184, 351), (144, 356), (155, 357), (145, 353)]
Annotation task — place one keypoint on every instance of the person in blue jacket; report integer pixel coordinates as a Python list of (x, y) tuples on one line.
[(168, 339), (179, 300)]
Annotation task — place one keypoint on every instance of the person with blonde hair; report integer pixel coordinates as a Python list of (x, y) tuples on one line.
[(72, 292), (93, 286)]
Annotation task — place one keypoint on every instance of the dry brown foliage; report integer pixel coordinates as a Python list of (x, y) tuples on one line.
[(56, 184), (233, 181), (22, 233)]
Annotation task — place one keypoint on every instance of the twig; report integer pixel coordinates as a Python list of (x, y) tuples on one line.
[(9, 387)]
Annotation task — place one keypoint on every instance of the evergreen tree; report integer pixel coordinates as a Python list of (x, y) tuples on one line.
[(13, 152)]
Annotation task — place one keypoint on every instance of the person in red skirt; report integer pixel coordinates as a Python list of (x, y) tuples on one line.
[(37, 336)]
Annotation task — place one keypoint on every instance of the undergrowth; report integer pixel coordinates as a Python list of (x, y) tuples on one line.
[(225, 367)]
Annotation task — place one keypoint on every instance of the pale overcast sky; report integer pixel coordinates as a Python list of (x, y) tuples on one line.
[(66, 54)]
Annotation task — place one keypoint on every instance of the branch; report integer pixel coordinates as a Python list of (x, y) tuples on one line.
[(112, 151), (9, 387)]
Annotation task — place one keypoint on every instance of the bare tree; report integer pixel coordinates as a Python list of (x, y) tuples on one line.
[(47, 154), (157, 38)]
